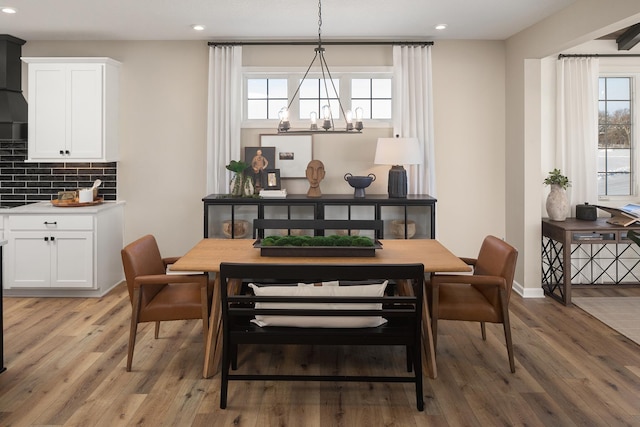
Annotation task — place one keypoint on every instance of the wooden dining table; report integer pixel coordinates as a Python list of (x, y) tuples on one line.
[(207, 255)]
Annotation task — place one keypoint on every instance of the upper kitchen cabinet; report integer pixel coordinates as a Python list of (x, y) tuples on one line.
[(73, 109)]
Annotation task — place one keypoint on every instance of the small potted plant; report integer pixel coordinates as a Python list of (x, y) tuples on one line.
[(557, 201), (241, 185), (555, 177)]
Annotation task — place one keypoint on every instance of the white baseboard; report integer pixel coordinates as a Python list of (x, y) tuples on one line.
[(527, 292)]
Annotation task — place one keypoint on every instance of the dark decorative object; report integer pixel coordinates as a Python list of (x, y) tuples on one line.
[(359, 183), (586, 212)]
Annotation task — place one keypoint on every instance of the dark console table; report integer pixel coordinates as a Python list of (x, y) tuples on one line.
[(222, 213), (586, 253)]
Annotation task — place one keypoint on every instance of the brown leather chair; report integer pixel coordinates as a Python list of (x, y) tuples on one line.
[(481, 297), (156, 296)]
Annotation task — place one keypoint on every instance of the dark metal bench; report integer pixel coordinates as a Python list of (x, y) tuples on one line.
[(403, 314), (318, 225)]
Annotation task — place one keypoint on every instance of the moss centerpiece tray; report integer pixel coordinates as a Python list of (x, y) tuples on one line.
[(317, 246)]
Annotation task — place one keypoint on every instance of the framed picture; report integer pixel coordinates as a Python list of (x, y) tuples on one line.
[(292, 153), (259, 159), (271, 179)]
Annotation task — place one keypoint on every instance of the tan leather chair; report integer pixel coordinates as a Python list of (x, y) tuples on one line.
[(481, 297), (156, 296)]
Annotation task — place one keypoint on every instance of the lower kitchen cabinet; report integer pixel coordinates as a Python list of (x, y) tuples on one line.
[(63, 251)]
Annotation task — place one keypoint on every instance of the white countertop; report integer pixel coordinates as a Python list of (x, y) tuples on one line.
[(48, 208)]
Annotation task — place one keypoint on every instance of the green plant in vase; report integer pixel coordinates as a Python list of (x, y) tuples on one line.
[(557, 201), (241, 183)]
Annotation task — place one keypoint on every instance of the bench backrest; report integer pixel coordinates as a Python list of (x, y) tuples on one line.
[(242, 305), (318, 225)]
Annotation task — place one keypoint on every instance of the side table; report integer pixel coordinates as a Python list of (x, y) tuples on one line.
[(586, 253)]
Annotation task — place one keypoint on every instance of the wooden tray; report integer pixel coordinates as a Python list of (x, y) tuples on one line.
[(75, 204), (318, 251)]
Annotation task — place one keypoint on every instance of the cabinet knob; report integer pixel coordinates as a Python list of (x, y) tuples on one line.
[(46, 239), (53, 238), (61, 153), (51, 223), (67, 152)]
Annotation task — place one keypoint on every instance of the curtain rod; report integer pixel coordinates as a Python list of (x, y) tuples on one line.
[(598, 55), (313, 43)]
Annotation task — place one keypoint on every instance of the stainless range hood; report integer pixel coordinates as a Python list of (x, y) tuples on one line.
[(13, 106)]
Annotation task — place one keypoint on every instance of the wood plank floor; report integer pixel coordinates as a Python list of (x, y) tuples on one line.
[(66, 367)]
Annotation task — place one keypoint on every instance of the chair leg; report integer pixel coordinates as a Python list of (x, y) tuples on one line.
[(204, 298), (483, 330), (234, 357), (507, 330), (157, 332), (135, 310), (435, 295), (226, 362), (417, 368)]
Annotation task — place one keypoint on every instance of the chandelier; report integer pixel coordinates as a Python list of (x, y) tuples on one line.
[(352, 120)]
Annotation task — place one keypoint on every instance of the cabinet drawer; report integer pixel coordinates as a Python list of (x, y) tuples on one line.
[(50, 222)]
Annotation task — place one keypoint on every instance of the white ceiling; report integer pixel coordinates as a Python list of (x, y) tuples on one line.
[(272, 19)]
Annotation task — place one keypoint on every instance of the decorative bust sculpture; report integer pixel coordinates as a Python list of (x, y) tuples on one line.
[(315, 174)]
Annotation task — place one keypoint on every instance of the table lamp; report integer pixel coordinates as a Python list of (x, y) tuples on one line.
[(397, 152)]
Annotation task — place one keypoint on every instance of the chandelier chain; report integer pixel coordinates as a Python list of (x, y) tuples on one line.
[(320, 22)]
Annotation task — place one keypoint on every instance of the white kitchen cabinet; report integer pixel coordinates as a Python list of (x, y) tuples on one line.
[(73, 109), (54, 251)]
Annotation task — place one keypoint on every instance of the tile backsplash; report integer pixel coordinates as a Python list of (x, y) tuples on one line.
[(22, 183)]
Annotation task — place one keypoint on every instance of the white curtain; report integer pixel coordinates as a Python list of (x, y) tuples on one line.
[(413, 111), (224, 115), (577, 127)]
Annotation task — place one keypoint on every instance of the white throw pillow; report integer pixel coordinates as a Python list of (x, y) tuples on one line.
[(328, 289)]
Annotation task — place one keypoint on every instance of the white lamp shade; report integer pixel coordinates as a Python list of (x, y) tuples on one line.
[(397, 151)]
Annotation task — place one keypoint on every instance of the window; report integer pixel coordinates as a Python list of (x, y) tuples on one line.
[(267, 92), (313, 96), (265, 97), (615, 136), (373, 96)]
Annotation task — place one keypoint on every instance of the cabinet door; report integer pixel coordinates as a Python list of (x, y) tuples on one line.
[(66, 111), (85, 110), (28, 260), (47, 111), (72, 259)]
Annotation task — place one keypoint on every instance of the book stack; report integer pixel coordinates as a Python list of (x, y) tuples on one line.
[(274, 193)]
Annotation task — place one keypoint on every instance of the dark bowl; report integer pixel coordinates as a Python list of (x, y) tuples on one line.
[(359, 181)]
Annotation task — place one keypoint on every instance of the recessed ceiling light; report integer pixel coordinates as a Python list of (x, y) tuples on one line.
[(198, 27), (441, 26), (8, 10)]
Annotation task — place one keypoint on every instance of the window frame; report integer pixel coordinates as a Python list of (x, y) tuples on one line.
[(294, 74), (633, 72)]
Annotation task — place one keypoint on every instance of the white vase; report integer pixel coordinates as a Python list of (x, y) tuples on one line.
[(241, 185), (557, 203)]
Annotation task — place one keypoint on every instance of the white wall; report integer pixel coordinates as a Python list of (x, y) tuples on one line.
[(469, 110), (163, 129)]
